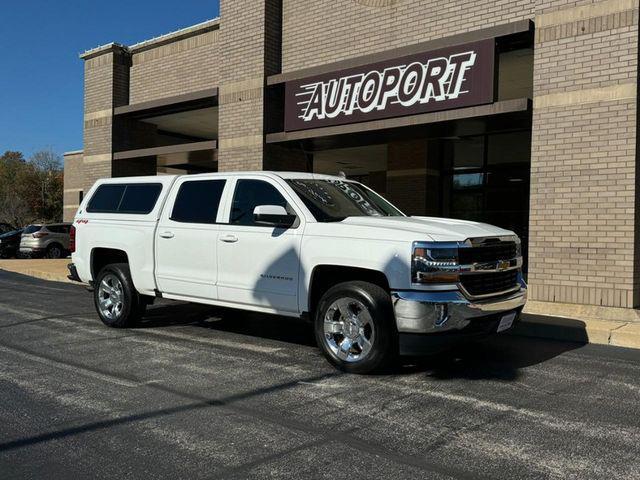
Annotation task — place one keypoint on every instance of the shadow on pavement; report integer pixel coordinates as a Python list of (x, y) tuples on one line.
[(498, 358), (271, 327)]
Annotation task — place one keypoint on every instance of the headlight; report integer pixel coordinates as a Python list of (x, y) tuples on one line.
[(518, 246), (437, 264)]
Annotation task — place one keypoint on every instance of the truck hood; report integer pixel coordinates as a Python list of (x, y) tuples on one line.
[(437, 229)]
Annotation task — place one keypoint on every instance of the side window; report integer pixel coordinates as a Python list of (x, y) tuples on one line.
[(198, 201), (140, 198), (136, 198), (106, 199), (248, 195)]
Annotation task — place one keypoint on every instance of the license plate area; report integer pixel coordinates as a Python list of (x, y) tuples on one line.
[(506, 321)]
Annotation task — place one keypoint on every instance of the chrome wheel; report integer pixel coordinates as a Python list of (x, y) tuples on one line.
[(110, 296), (348, 329)]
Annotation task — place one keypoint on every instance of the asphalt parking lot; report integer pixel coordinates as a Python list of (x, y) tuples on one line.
[(197, 392)]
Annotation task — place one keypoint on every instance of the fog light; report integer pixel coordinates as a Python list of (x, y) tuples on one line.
[(442, 314)]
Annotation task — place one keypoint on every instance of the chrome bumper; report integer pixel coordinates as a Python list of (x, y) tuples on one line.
[(434, 311)]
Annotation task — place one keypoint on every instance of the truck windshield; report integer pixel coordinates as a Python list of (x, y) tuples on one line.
[(335, 200)]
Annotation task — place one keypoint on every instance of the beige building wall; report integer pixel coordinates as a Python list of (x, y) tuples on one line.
[(106, 86), (583, 241), (583, 167), (242, 80), (74, 176), (185, 63)]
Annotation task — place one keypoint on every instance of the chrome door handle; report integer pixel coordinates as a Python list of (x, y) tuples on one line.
[(229, 239), (166, 234)]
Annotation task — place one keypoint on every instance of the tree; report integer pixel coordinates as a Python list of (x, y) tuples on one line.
[(30, 190)]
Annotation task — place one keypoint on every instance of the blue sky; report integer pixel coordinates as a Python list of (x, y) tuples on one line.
[(41, 75)]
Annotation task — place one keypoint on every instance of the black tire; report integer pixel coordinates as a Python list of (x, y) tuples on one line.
[(377, 302), (133, 305), (54, 250)]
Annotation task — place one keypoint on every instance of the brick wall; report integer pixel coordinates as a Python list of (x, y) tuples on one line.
[(583, 241), (73, 184), (583, 166), (314, 34), (106, 86), (187, 65), (248, 57)]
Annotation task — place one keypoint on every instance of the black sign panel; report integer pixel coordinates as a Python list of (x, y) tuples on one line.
[(443, 79)]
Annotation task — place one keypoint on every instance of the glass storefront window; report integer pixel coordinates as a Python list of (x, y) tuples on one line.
[(486, 179), (467, 180), (508, 148), (468, 153)]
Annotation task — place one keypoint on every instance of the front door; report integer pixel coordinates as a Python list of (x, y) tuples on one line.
[(186, 239), (259, 265)]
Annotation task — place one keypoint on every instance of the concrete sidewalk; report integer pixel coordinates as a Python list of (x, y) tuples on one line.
[(46, 269), (577, 323)]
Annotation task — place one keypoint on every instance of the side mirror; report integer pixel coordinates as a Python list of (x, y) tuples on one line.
[(273, 216)]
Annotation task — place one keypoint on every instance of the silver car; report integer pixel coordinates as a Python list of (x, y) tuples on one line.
[(50, 241)]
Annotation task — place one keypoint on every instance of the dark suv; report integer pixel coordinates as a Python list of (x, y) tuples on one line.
[(10, 243), (6, 228)]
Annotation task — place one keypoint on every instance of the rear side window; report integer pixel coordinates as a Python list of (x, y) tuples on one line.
[(106, 199), (32, 229), (136, 198), (58, 228), (198, 201)]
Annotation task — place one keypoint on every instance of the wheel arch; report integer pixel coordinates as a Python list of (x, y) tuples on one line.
[(325, 276), (102, 256)]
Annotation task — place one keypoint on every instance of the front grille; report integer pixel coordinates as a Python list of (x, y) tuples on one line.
[(477, 284), (487, 253)]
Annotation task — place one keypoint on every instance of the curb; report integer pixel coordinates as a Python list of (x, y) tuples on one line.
[(585, 330)]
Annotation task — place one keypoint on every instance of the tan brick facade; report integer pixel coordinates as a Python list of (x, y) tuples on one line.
[(584, 242), (583, 167), (106, 74), (74, 178), (178, 67)]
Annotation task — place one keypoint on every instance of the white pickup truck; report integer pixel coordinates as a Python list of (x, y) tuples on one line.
[(375, 282)]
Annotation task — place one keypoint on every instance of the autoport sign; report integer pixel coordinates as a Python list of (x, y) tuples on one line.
[(443, 79)]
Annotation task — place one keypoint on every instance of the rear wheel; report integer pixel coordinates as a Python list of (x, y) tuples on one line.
[(54, 251), (354, 327), (118, 303)]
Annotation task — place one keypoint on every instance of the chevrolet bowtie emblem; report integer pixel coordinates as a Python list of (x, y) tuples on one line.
[(503, 265)]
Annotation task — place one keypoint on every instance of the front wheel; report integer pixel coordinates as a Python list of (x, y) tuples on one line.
[(118, 303), (354, 327)]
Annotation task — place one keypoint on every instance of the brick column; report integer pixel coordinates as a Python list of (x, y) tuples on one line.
[(583, 246), (250, 45), (106, 85)]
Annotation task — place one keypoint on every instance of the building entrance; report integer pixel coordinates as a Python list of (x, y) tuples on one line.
[(482, 178)]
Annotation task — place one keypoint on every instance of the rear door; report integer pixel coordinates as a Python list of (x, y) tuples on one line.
[(59, 233), (259, 265), (186, 238)]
